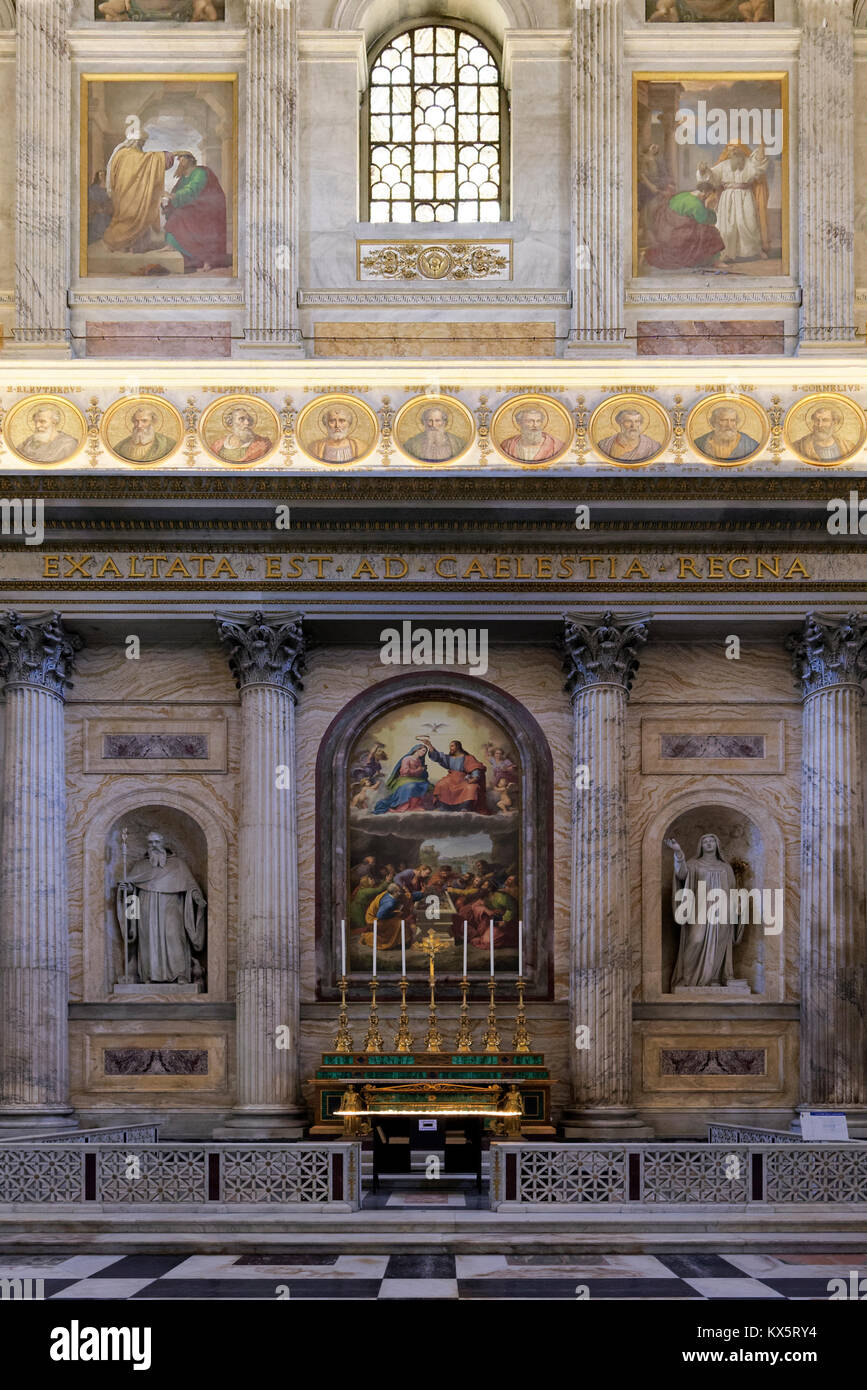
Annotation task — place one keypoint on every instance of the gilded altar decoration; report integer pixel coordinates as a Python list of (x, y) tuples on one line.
[(710, 174), (532, 429), (44, 429), (240, 430), (159, 179), (434, 429), (442, 260), (727, 429), (337, 429), (630, 430), (825, 429), (142, 429)]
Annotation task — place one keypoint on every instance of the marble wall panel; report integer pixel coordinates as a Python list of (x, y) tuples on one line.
[(156, 338), (434, 339), (95, 1085), (702, 337), (656, 1088)]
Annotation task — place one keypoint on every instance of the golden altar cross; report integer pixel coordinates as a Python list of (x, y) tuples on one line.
[(430, 945)]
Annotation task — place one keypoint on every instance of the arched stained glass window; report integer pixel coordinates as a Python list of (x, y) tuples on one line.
[(436, 129)]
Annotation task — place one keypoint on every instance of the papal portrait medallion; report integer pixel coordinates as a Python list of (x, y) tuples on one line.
[(727, 429), (44, 429), (825, 429), (337, 430), (630, 430), (141, 429), (240, 430), (532, 430), (434, 429)]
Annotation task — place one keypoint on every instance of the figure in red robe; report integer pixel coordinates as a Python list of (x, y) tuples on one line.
[(195, 213), (463, 788)]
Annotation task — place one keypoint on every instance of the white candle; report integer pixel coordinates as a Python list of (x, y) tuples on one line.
[(342, 946), (491, 939), (402, 950), (374, 948), (520, 947), (465, 949)]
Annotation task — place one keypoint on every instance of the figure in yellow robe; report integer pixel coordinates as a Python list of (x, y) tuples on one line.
[(135, 180)]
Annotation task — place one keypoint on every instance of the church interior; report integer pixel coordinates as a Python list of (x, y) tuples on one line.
[(433, 633)]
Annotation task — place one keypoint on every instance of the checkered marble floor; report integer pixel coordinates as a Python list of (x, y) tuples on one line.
[(313, 1275)]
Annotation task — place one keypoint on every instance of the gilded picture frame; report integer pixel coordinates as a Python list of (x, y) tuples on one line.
[(426, 430), (230, 440), (727, 429), (337, 430), (529, 424), (630, 430), (815, 429), (44, 430), (135, 429)]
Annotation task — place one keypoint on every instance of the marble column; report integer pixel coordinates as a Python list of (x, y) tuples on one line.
[(266, 656), (42, 224), (272, 237), (601, 663), (826, 177), (601, 148), (36, 660), (830, 662)]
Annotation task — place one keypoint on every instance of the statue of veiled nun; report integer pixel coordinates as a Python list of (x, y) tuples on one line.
[(705, 953)]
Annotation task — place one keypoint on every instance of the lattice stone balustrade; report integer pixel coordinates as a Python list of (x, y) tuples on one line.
[(135, 1174), (727, 1174)]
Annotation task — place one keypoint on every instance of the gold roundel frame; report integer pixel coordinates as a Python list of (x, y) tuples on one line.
[(806, 403), (258, 408), (319, 406), (548, 406), (731, 398), (27, 406), (625, 400), (167, 412), (450, 405)]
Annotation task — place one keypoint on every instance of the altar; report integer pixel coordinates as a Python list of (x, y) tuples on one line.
[(508, 1092)]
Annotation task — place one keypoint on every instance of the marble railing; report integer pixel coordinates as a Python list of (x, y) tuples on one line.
[(109, 1175), (110, 1134), (672, 1174), (739, 1134)]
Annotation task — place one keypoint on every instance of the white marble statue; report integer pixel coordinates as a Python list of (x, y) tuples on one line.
[(162, 909), (707, 907)]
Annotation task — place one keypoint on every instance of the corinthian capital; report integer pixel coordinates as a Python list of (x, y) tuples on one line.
[(602, 653), (829, 651), (37, 651), (265, 652)]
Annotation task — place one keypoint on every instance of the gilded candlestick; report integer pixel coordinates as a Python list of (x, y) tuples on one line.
[(491, 1040), (522, 1039), (464, 1040), (403, 1038), (343, 1040), (373, 1039), (433, 1039)]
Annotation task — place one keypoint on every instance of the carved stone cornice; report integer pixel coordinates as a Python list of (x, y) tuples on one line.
[(38, 652), (829, 652), (604, 653), (265, 651)]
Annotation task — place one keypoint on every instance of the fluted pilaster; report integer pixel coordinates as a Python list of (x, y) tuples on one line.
[(36, 658), (267, 659), (830, 661), (826, 173), (601, 663), (600, 143), (272, 241), (42, 102)]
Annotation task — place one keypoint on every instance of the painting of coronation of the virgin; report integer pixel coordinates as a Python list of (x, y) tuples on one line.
[(434, 800), (710, 174), (159, 180)]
